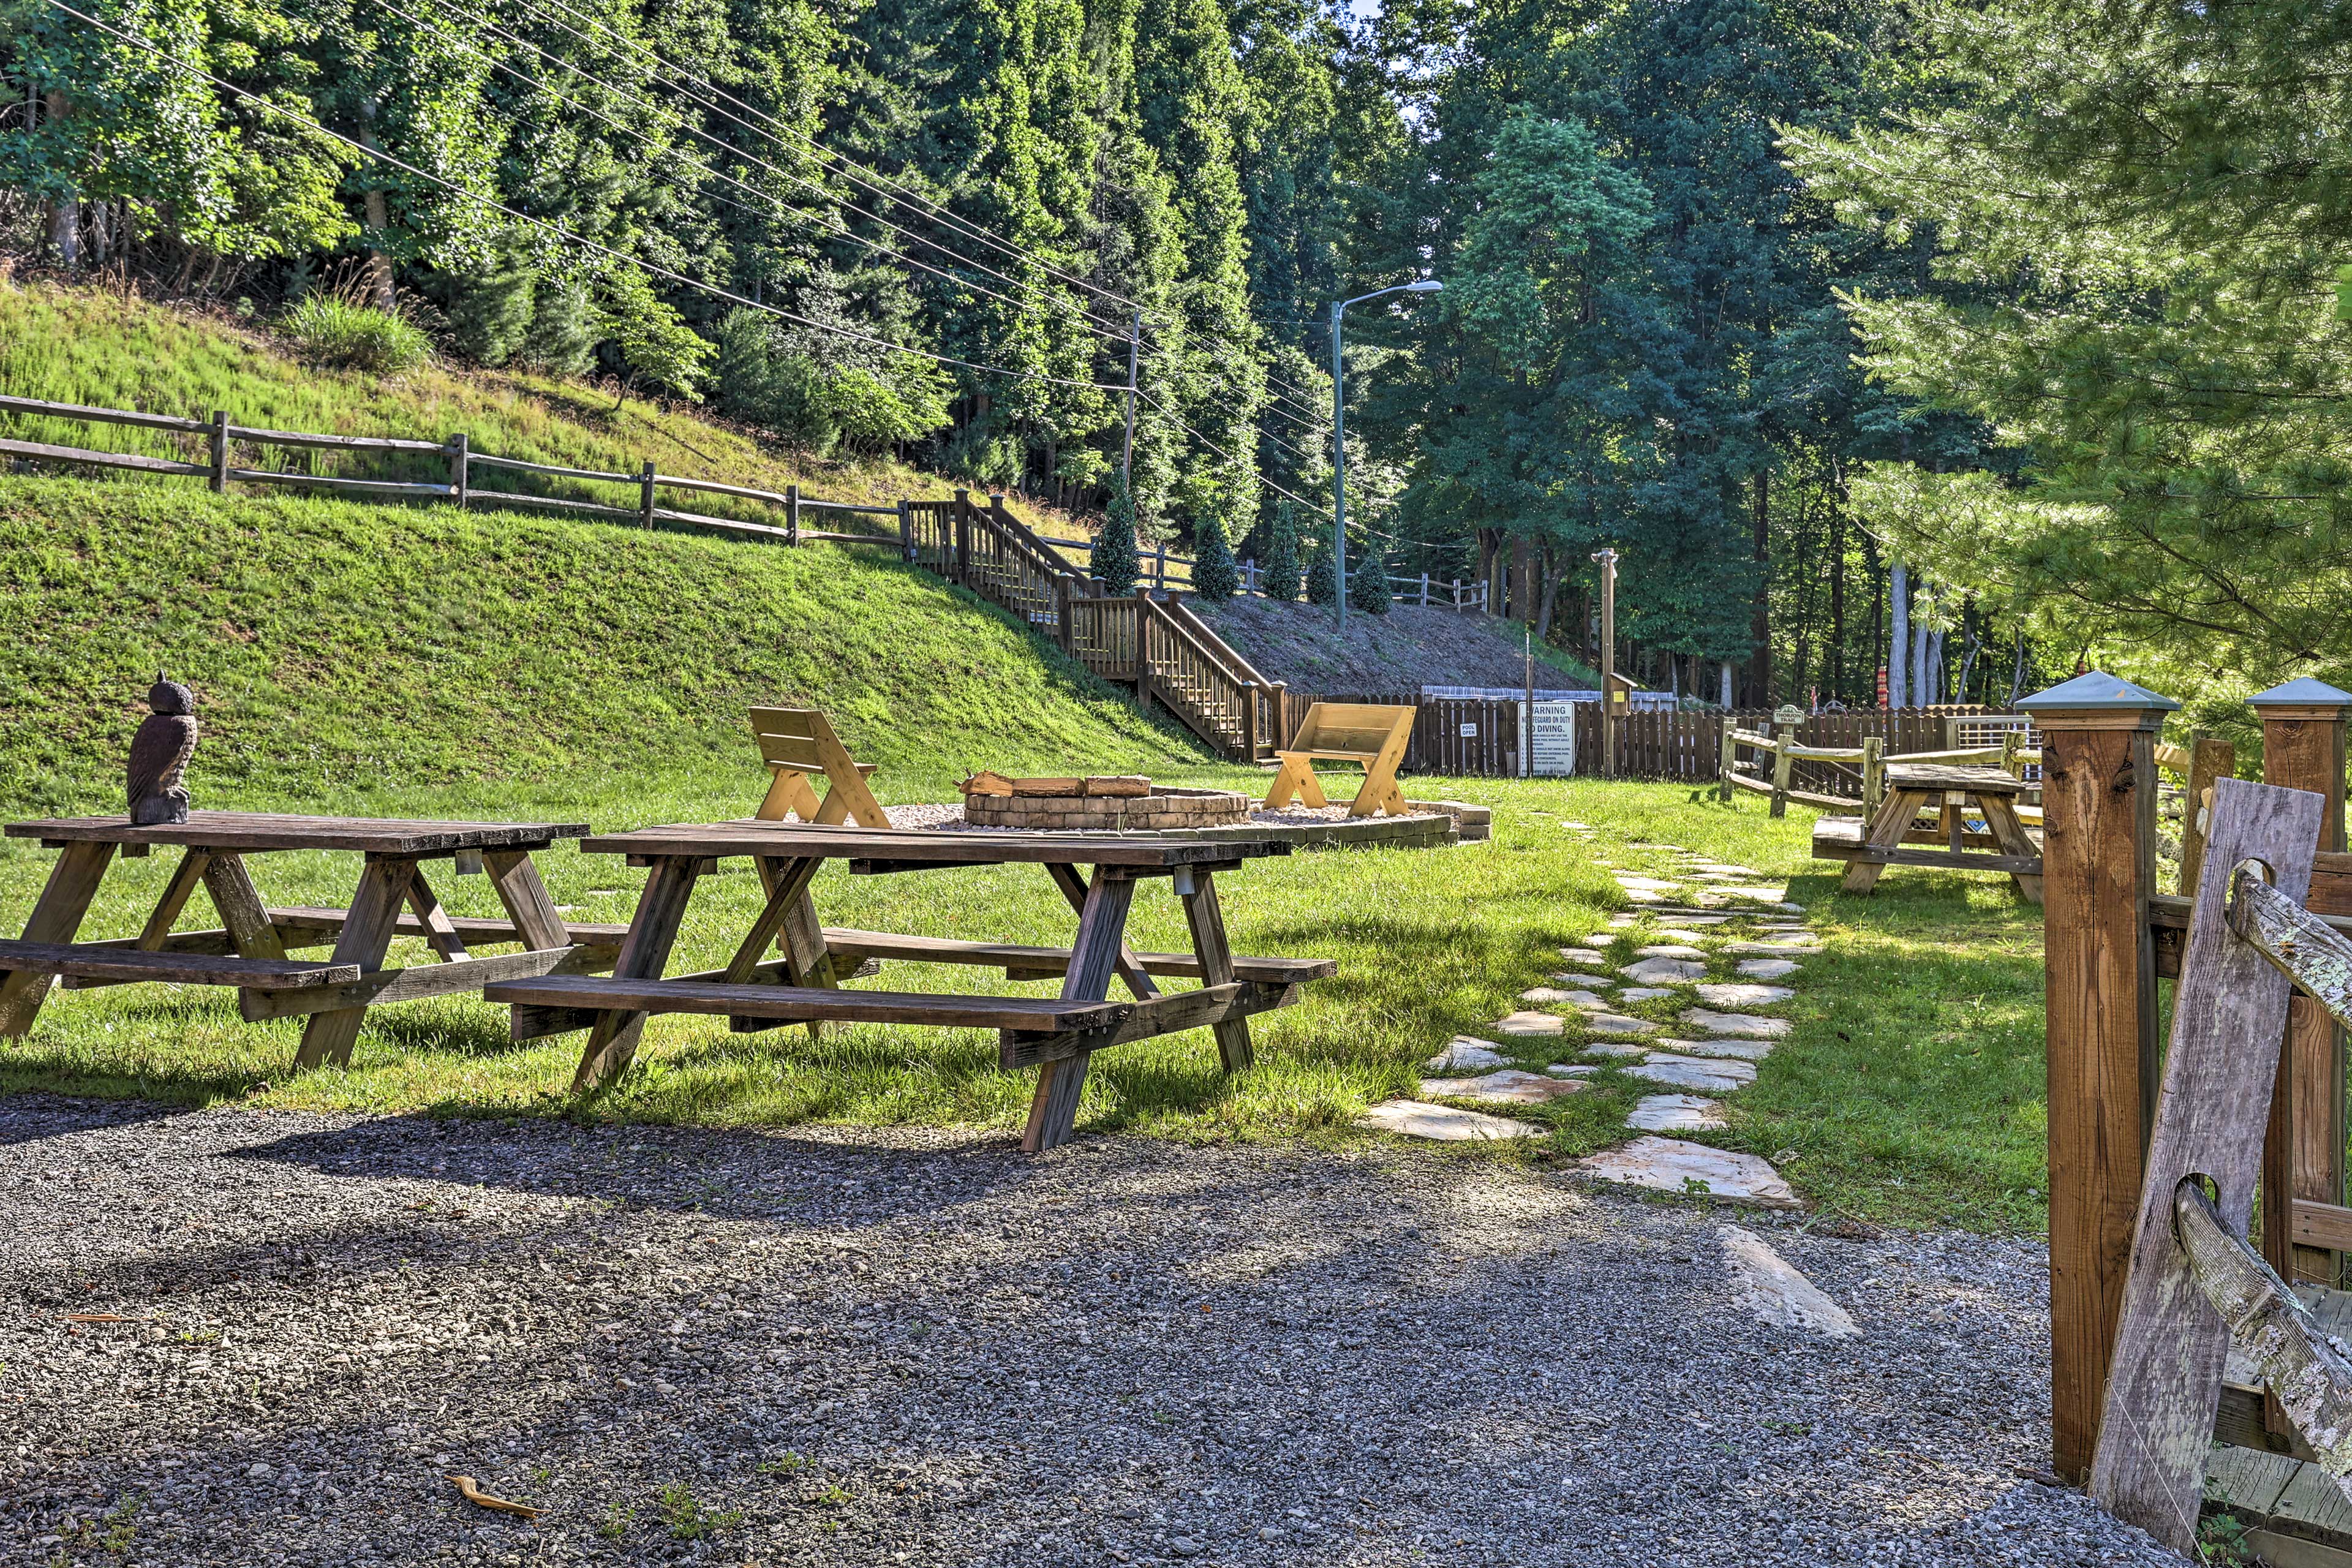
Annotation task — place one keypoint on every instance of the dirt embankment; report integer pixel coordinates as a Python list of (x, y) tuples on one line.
[(1402, 651)]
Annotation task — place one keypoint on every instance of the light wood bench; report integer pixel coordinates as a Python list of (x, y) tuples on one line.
[(1869, 847), (1371, 735), (797, 743)]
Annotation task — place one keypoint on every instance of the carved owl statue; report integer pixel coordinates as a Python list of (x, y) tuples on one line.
[(159, 753)]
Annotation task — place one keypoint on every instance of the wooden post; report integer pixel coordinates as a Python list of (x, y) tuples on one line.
[(2098, 867), (220, 451), (962, 562), (1250, 688), (1608, 559), (1424, 590), (460, 468), (646, 494), (791, 514), (2302, 1152), (906, 532), (1873, 773), (2208, 760), (1786, 720), (1730, 762), (1067, 633)]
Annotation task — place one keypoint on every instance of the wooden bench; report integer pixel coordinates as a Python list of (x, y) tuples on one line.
[(797, 743), (1049, 963), (129, 963), (1868, 848), (1371, 735)]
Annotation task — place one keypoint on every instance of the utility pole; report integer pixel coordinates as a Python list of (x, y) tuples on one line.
[(1127, 449), (1338, 466), (1608, 559)]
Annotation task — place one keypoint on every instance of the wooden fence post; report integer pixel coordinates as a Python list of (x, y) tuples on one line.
[(1062, 615), (1874, 775), (1786, 720), (962, 562), (461, 477), (906, 532), (220, 451), (645, 495), (2098, 867), (2208, 759), (2303, 1151), (1730, 754), (791, 514)]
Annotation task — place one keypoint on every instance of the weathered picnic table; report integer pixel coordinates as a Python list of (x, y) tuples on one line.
[(1055, 1034), (2005, 843), (249, 951)]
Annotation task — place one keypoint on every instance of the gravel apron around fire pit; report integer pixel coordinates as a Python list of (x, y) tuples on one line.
[(1160, 809)]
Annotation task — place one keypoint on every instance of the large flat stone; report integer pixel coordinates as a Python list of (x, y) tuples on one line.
[(1720, 868), (1778, 947), (1732, 1068), (1618, 1023), (1670, 949), (1466, 1053), (1654, 970), (1552, 995), (1768, 968), (1676, 1114), (1775, 897), (1645, 993), (1769, 1285), (1509, 1087), (1682, 1075), (1671, 920), (1571, 1069), (1618, 1048), (1671, 1165), (1531, 1024), (1740, 994), (1741, 1051), (1604, 938), (1445, 1123), (1631, 883), (1644, 896), (1747, 1026), (1578, 977), (1583, 955)]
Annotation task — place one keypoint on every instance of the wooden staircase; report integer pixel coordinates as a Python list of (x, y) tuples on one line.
[(1156, 645)]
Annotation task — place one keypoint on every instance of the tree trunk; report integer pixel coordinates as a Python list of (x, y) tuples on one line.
[(378, 217), (1555, 567), (1522, 602), (1760, 620), (65, 209), (1898, 657), (1837, 598)]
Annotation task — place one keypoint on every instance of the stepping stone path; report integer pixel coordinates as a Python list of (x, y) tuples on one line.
[(1582, 955), (1570, 1069), (1445, 1123), (1575, 977), (1767, 1285), (1616, 1023), (1669, 950), (1744, 1050), (1650, 970), (1540, 994), (1685, 1075), (1736, 994), (1509, 1087), (1535, 1024), (1466, 1052), (1778, 947), (1768, 968), (1616, 1048), (1671, 1165), (1645, 993), (1747, 1025), (1676, 1114)]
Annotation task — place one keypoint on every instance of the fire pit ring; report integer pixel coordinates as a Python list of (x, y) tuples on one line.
[(1158, 810)]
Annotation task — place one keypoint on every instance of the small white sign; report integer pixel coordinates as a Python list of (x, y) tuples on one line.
[(1469, 731), (1553, 727)]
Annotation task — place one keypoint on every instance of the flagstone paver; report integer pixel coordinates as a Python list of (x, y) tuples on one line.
[(1583, 955), (1741, 994), (1682, 1075), (1466, 1051), (1645, 993), (1669, 950), (1731, 1068), (1544, 995), (1531, 1024), (1767, 1285), (1778, 947), (1644, 896), (1673, 1165), (1445, 1123), (1578, 977), (1676, 1114), (1618, 1048), (1768, 968), (1571, 1069), (1629, 882), (1745, 1024), (1675, 919), (1509, 1087), (1773, 896), (1745, 1050), (1650, 970), (1616, 1023)]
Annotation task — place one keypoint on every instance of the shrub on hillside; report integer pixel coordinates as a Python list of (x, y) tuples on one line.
[(1114, 555), (1279, 576), (342, 332), (1370, 590), (1215, 576), (1323, 579)]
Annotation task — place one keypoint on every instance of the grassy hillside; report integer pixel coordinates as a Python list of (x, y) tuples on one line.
[(337, 645)]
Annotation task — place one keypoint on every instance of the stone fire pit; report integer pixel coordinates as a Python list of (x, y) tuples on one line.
[(1104, 804)]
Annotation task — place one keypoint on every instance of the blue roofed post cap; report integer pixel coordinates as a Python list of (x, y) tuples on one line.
[(2303, 692), (2104, 701)]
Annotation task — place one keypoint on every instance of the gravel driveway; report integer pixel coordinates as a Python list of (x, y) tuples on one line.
[(860, 1346)]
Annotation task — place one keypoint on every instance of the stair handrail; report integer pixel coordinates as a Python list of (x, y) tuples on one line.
[(1236, 665)]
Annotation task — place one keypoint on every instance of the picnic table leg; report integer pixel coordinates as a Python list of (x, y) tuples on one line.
[(230, 886), (1887, 829), (527, 903), (1199, 891), (1130, 968), (366, 937), (787, 882), (73, 882), (800, 935), (440, 932), (2009, 832), (613, 1043), (186, 878), (1054, 1112)]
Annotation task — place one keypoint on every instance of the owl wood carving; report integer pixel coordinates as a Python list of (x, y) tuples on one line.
[(159, 753)]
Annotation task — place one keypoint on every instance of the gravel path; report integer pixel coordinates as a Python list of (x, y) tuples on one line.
[(864, 1346)]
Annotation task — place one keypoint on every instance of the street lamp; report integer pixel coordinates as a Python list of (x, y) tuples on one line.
[(1339, 436)]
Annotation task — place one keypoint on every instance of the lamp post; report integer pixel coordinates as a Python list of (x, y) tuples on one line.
[(1339, 436)]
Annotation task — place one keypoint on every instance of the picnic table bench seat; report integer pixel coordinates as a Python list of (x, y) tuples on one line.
[(127, 963), (1047, 962)]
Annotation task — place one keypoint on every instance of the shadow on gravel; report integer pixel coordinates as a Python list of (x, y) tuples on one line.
[(31, 1119)]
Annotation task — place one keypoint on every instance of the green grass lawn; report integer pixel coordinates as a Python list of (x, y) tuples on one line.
[(1910, 1090)]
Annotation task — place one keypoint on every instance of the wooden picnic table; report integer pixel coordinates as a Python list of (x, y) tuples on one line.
[(249, 950), (2005, 843), (1055, 1034)]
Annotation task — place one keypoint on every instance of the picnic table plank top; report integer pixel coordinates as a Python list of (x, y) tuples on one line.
[(926, 847), (255, 830), (1949, 776)]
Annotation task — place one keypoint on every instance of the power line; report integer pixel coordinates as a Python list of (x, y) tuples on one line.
[(562, 232)]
